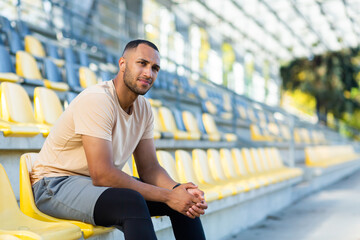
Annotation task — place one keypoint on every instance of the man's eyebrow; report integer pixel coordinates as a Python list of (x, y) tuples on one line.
[(142, 59)]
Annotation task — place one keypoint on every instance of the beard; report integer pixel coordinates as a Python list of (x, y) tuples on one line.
[(131, 84)]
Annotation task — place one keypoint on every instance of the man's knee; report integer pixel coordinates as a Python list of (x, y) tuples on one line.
[(128, 202)]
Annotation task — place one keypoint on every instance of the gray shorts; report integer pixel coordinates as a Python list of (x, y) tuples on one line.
[(67, 197)]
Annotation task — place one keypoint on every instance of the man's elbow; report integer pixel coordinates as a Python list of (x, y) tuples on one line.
[(98, 179)]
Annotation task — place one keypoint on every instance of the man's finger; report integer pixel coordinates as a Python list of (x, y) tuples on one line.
[(189, 185), (197, 210), (194, 213)]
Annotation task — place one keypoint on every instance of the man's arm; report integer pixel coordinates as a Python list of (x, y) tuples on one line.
[(103, 173), (151, 172)]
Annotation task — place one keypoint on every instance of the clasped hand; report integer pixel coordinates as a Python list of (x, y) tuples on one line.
[(188, 200)]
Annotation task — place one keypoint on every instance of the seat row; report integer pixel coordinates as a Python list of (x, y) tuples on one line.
[(28, 72), (271, 132), (17, 117), (326, 156), (225, 172), (220, 173)]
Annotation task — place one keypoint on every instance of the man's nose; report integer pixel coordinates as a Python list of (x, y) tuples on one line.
[(148, 72)]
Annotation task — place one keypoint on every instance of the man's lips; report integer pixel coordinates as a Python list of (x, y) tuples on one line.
[(144, 81)]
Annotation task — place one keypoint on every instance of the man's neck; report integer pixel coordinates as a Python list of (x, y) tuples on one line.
[(125, 96)]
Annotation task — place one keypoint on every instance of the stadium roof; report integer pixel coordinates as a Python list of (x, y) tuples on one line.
[(282, 29)]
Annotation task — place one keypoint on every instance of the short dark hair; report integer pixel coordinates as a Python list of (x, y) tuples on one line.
[(134, 43)]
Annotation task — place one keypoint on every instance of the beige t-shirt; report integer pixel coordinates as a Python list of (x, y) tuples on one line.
[(95, 112)]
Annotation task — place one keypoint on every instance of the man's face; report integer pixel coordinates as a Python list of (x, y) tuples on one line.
[(141, 68)]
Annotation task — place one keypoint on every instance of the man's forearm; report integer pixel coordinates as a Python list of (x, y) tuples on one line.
[(157, 176), (118, 179)]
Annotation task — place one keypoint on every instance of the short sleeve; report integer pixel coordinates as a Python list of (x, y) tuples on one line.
[(149, 129), (94, 115)]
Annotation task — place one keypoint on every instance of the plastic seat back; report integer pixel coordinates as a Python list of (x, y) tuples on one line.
[(70, 56), (227, 163), (34, 46), (190, 122), (278, 163), (178, 119), (87, 77), (52, 50), (16, 105), (167, 119), (71, 75), (15, 41), (157, 125), (168, 163), (5, 24), (201, 166), (239, 162), (84, 59), (6, 65), (8, 203), (52, 72), (248, 160), (215, 165), (47, 106), (28, 206), (184, 167), (264, 159), (26, 66), (27, 203), (209, 124), (256, 160)]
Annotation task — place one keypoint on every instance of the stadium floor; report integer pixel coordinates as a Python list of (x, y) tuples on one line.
[(332, 213)]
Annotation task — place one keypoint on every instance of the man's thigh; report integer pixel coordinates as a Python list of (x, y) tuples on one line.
[(68, 197)]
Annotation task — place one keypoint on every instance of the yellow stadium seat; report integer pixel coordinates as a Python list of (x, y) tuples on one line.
[(186, 173), (251, 169), (251, 115), (242, 112), (87, 77), (34, 46), (191, 124), (14, 222), (204, 174), (230, 171), (168, 124), (213, 132), (168, 163), (242, 171), (325, 156), (27, 68), (277, 164), (266, 163), (47, 106), (218, 174), (17, 119), (259, 168), (257, 135), (159, 132), (27, 203)]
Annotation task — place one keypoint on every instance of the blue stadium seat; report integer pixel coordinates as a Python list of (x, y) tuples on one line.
[(14, 41), (52, 52), (70, 56), (22, 28), (52, 73), (84, 59), (7, 71), (5, 24), (72, 77)]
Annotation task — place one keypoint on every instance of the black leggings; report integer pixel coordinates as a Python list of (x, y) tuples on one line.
[(128, 210)]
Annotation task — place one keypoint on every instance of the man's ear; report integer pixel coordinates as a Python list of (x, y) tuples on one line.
[(122, 64)]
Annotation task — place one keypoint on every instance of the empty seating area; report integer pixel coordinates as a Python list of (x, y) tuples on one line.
[(242, 153)]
